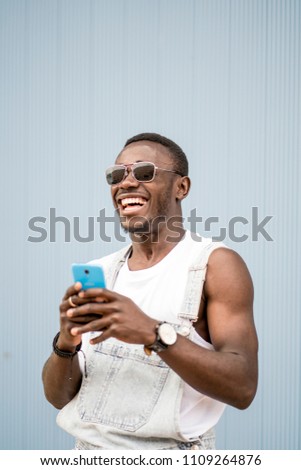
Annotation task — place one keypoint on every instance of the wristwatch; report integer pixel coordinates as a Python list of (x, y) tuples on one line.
[(166, 336)]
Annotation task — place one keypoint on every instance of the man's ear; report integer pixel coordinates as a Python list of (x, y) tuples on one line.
[(183, 186)]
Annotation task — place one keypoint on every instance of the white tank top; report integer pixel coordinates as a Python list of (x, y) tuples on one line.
[(159, 292)]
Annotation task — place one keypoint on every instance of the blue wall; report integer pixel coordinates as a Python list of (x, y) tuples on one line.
[(221, 78)]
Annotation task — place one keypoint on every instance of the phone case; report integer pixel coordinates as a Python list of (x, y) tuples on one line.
[(88, 275)]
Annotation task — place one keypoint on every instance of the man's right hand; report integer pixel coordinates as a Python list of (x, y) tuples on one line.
[(66, 341)]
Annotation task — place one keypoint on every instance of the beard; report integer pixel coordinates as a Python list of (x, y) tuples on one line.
[(136, 224)]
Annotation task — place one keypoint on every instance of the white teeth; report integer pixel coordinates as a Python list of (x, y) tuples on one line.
[(133, 200)]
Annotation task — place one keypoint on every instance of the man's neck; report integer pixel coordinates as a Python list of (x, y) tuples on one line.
[(150, 249)]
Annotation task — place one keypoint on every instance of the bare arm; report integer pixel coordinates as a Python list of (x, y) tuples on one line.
[(229, 373), (62, 376)]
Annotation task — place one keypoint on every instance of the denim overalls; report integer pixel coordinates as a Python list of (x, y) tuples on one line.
[(129, 400)]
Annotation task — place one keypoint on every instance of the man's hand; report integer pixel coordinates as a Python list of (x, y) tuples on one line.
[(117, 316), (67, 340)]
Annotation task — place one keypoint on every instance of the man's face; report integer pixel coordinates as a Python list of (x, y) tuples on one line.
[(141, 206)]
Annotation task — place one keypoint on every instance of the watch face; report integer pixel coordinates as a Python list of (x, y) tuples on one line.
[(167, 334)]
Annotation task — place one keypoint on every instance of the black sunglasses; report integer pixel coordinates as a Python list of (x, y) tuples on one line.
[(144, 172)]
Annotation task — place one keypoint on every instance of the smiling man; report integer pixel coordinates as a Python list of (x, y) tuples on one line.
[(172, 339)]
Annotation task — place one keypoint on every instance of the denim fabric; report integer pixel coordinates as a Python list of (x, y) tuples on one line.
[(109, 398), (204, 442), (127, 396)]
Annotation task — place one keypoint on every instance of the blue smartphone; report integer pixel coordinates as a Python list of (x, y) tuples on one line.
[(88, 275)]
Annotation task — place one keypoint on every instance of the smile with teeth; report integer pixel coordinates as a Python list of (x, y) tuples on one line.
[(132, 202)]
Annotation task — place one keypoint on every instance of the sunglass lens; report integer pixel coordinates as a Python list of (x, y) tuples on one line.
[(144, 171), (115, 174)]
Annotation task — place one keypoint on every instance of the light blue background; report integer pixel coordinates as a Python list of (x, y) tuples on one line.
[(77, 78)]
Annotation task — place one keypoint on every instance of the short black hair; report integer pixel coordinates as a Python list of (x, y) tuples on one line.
[(176, 153)]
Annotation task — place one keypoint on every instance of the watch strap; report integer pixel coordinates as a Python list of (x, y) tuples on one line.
[(158, 345)]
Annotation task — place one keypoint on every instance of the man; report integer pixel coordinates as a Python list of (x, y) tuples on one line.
[(171, 340)]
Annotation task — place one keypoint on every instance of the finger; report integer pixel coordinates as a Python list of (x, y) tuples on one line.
[(72, 290), (104, 294), (95, 325), (89, 308), (66, 304), (99, 339), (79, 321)]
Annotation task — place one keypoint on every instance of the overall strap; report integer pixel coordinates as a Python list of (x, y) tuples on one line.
[(194, 288), (116, 265)]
